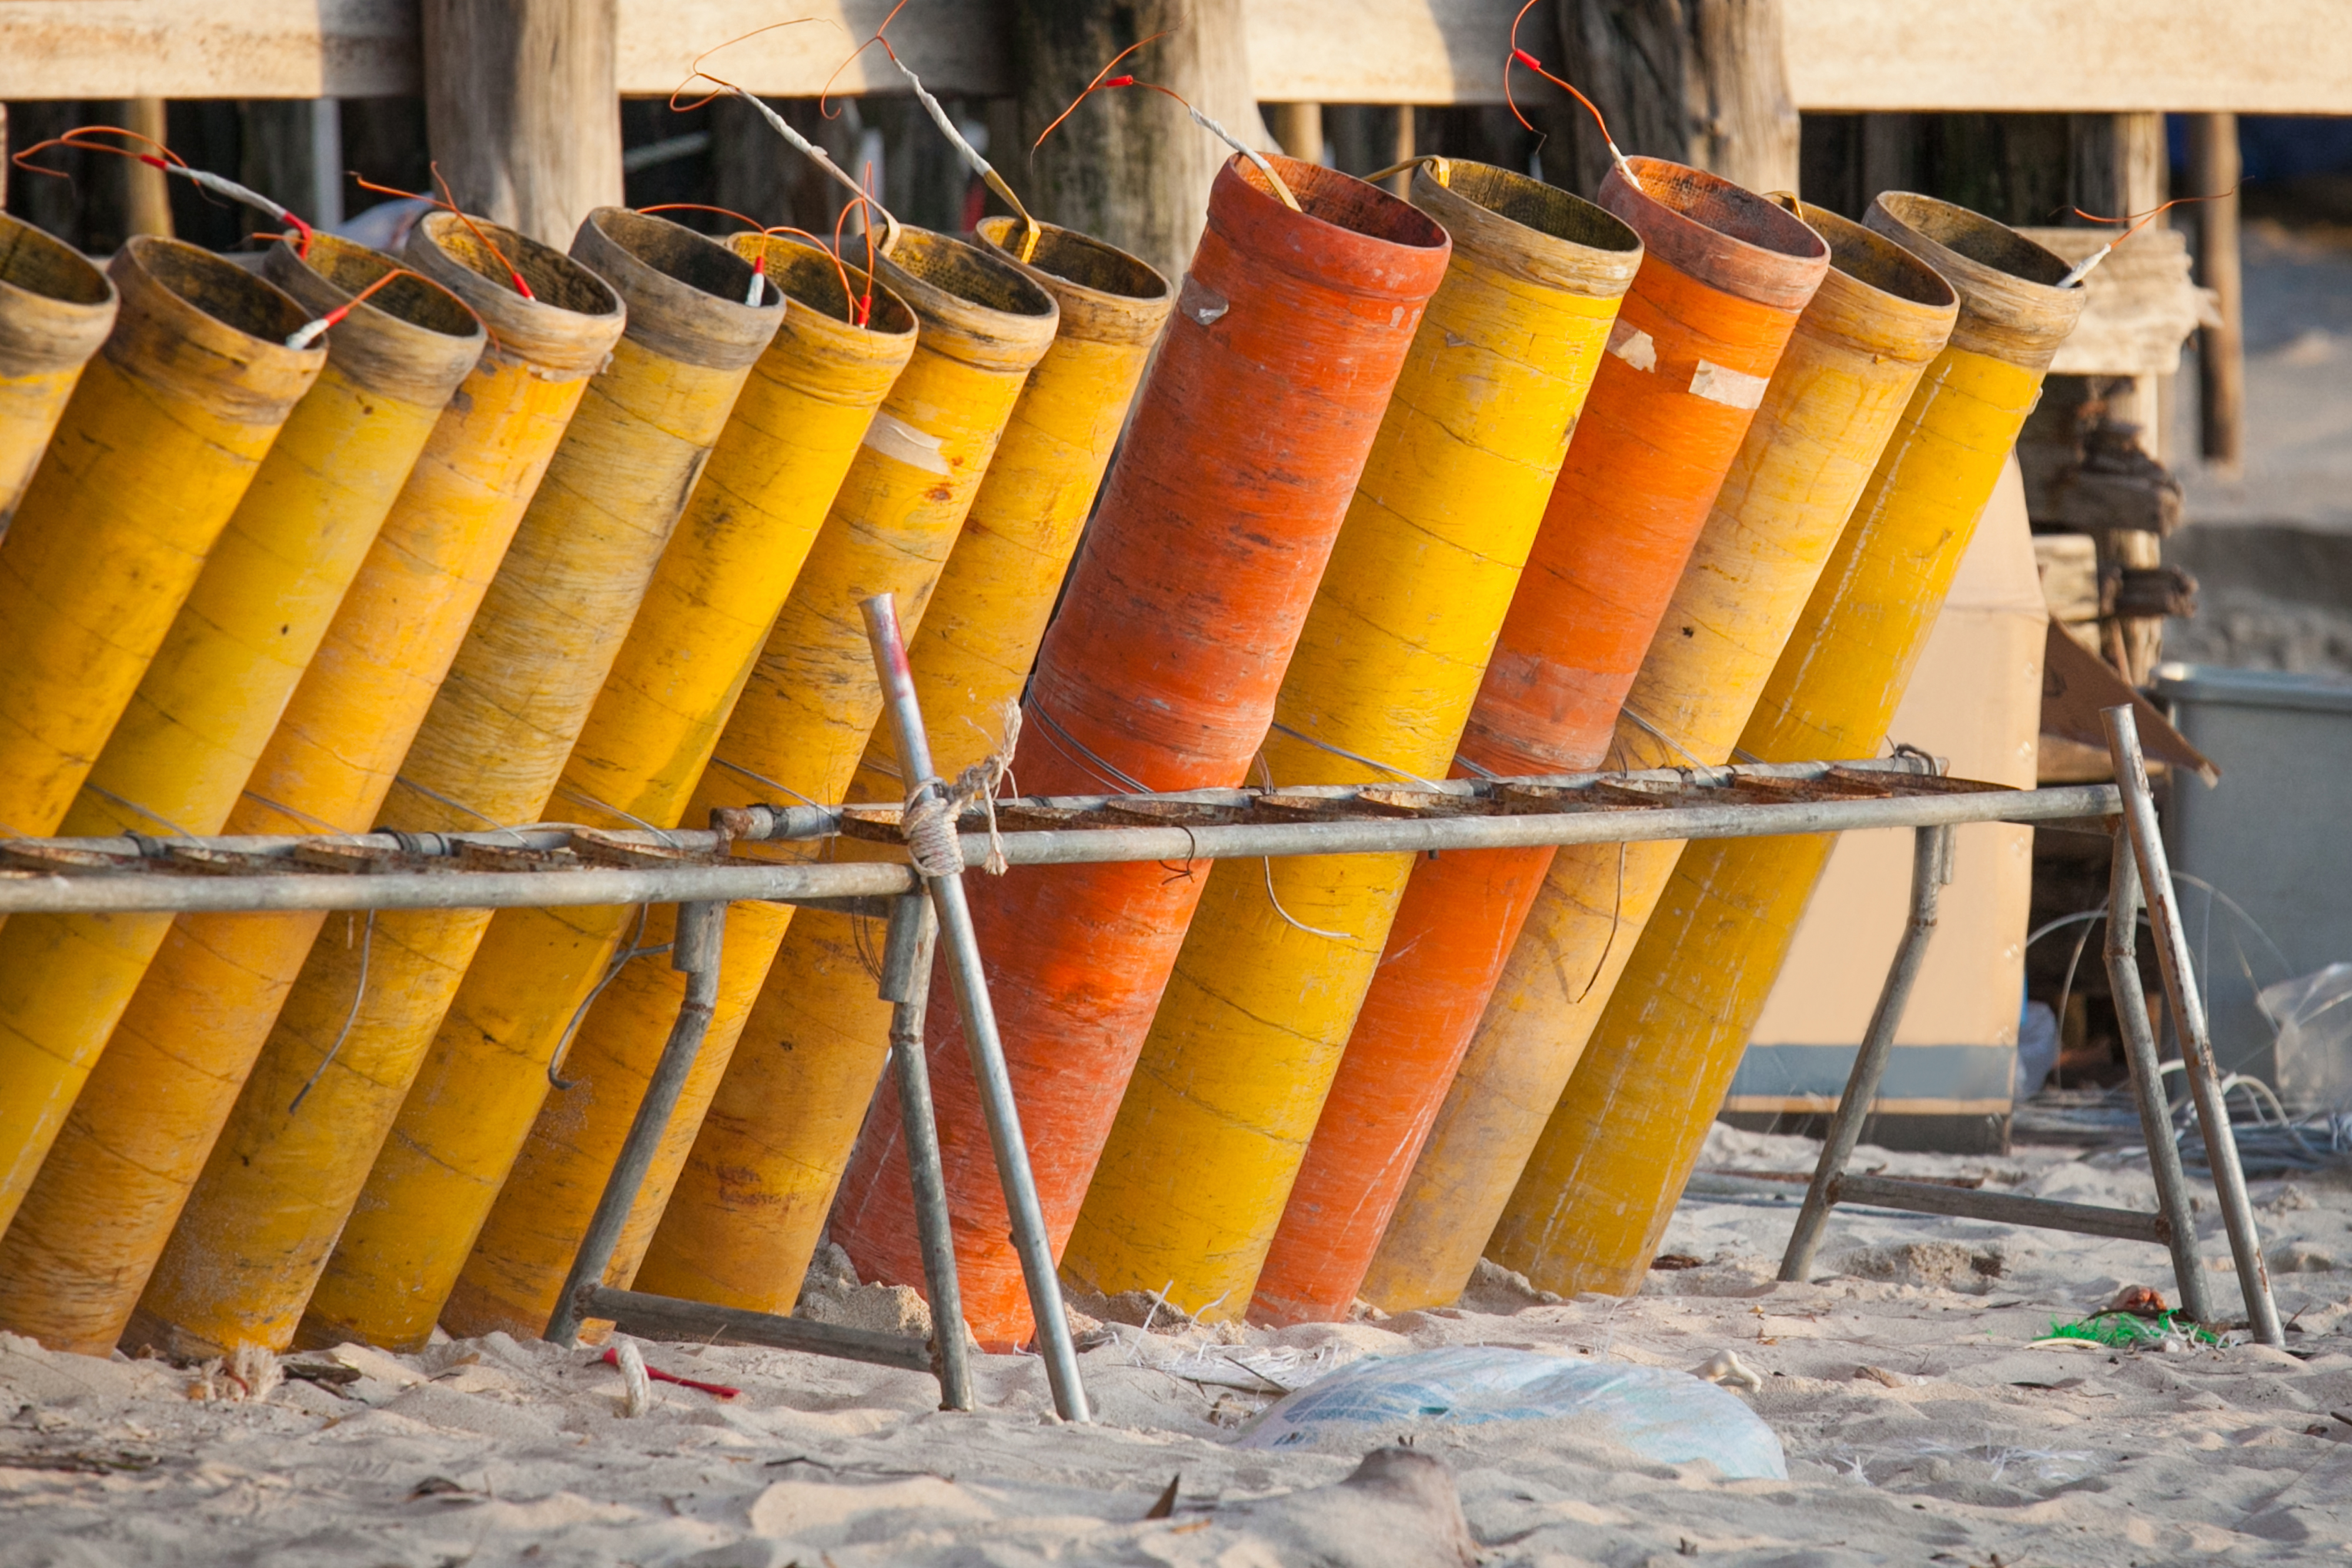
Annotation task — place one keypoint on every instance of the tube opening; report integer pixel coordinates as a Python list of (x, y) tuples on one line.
[(1731, 210), (1546, 209), (554, 277), (351, 266), (221, 289), (1976, 237), (1344, 201), (806, 276), (1081, 259), (970, 273), (39, 264), (677, 252), (1874, 259)]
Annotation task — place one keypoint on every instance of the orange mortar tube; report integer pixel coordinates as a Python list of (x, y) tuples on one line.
[(754, 516), (282, 1178), (1611, 1161), (139, 1133), (1878, 318), (800, 722), (1724, 276), (1160, 674), (751, 1202), (206, 706), (55, 308)]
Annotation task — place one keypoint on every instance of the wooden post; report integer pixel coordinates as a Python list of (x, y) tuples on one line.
[(2119, 168), (146, 201), (1129, 166), (522, 110), (1298, 129), (1705, 82), (1403, 149), (2214, 173)]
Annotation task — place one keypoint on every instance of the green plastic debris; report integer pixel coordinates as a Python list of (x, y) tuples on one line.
[(2132, 1331)]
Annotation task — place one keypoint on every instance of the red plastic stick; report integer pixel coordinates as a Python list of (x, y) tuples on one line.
[(716, 1390)]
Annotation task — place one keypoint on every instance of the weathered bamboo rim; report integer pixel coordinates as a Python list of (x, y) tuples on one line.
[(974, 306), (411, 340), (1872, 261), (565, 332), (684, 291), (209, 330), (1537, 232), (2011, 306), (808, 276), (1725, 235), (55, 305), (1105, 294)]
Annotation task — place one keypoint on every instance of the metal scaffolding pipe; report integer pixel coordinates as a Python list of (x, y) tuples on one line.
[(88, 894)]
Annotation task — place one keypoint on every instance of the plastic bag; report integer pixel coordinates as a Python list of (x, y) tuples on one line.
[(2312, 1015), (1671, 1417)]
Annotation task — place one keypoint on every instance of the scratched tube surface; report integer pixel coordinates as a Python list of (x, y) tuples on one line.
[(1724, 277), (55, 308), (1161, 672), (1879, 317), (754, 516), (314, 1112), (750, 1200), (1208, 1138), (182, 751), (798, 727), (1618, 1146)]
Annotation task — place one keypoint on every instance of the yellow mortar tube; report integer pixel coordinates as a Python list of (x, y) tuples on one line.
[(208, 702), (794, 430), (1842, 383), (1257, 1012), (797, 720), (166, 428), (138, 1135), (1618, 1146), (281, 1180), (751, 1201), (55, 308)]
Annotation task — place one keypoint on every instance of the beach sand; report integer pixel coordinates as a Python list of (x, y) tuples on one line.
[(1920, 1425)]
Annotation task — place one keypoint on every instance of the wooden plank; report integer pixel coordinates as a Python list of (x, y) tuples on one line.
[(2257, 57), (955, 46), (2270, 56), (207, 48)]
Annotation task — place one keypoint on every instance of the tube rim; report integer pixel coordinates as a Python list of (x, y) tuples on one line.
[(565, 333), (1724, 235), (1551, 254), (391, 342), (1090, 308), (684, 290), (2010, 307), (974, 306), (46, 331)]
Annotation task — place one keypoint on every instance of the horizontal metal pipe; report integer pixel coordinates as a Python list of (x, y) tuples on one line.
[(2004, 1207), (91, 893)]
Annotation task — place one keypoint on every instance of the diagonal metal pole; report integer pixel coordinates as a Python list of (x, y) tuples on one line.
[(695, 951), (2188, 1017), (906, 987), (2148, 1080), (944, 883), (1931, 868)]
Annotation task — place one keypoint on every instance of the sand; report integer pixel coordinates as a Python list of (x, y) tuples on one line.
[(1919, 1422)]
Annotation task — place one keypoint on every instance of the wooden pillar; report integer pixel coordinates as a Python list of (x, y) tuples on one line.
[(1298, 129), (1131, 167), (1402, 149), (2214, 173), (522, 108), (2120, 167), (1705, 82), (146, 198)]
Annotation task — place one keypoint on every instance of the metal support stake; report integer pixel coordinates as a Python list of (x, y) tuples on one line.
[(694, 952), (1931, 868), (2188, 1021), (906, 987), (1030, 1239), (2147, 1081)]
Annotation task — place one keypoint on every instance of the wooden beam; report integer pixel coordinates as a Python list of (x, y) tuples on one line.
[(2255, 56)]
